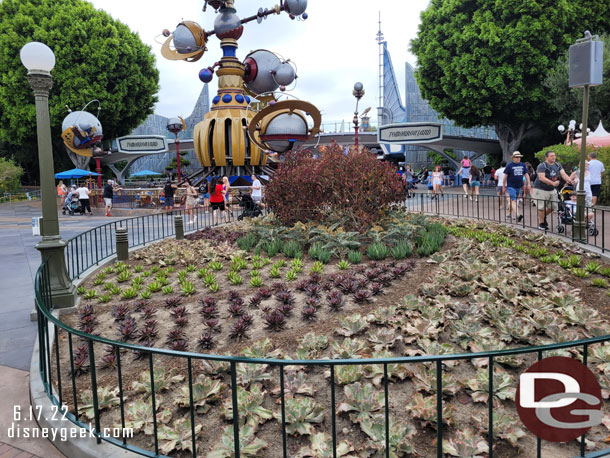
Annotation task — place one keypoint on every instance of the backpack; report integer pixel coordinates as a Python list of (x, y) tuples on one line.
[(466, 162)]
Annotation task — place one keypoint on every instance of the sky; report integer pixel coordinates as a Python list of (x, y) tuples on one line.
[(334, 48)]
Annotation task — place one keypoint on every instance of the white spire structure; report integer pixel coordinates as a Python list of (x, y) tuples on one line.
[(380, 41)]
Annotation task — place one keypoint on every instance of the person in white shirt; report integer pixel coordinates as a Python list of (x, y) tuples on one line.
[(596, 169), (83, 195), (257, 192), (499, 180)]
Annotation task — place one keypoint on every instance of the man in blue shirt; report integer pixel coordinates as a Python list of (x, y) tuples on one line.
[(515, 176)]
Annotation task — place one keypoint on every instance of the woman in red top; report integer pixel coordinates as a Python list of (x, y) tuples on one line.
[(217, 198)]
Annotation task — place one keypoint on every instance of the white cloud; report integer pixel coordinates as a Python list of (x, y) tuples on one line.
[(335, 47)]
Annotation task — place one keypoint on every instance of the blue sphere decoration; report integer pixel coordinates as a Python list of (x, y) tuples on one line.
[(205, 75), (216, 99), (305, 16), (239, 98), (227, 98), (247, 100)]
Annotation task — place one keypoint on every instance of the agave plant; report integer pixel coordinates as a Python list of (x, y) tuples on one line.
[(239, 330), (139, 416), (502, 385), (250, 406), (249, 445), (400, 437), (179, 437), (321, 446), (128, 329), (335, 300), (205, 392), (466, 443), (301, 414), (362, 399), (352, 325), (106, 399), (213, 324), (162, 380), (187, 288), (275, 320)]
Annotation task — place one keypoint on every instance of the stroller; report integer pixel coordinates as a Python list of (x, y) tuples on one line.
[(250, 209), (73, 206), (566, 213)]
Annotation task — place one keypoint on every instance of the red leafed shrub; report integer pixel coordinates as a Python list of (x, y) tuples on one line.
[(355, 187)]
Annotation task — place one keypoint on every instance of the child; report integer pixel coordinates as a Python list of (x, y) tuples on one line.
[(571, 205)]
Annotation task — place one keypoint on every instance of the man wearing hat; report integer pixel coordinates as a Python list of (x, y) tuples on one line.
[(515, 176), (108, 195)]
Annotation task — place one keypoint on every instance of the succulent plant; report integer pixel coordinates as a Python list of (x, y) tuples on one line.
[(423, 408), (167, 290), (248, 374), (239, 330), (309, 313), (205, 392), (181, 321), (320, 446), (383, 338), (362, 295), (502, 387), (90, 294), (275, 320), (234, 278), (172, 302), (213, 324), (174, 335), (187, 288), (291, 275), (265, 293), (80, 361), (250, 405), (363, 399), (109, 360), (148, 332), (255, 300), (285, 297), (311, 346), (106, 399), (179, 345), (261, 349), (179, 311), (395, 372), (139, 416), (400, 437), (345, 375), (209, 279), (123, 276), (149, 311), (236, 310), (466, 443), (177, 438), (285, 309), (352, 325), (335, 300), (295, 383), (301, 415), (349, 348), (249, 445), (127, 329)]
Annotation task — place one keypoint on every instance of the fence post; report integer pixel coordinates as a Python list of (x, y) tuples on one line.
[(122, 244), (179, 225)]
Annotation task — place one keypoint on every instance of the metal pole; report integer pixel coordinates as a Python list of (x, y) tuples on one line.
[(580, 225), (178, 156)]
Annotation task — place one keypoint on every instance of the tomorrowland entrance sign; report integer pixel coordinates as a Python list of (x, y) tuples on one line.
[(407, 133), (142, 143)]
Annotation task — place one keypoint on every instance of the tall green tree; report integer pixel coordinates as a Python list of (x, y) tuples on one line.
[(568, 102), (483, 62), (97, 57)]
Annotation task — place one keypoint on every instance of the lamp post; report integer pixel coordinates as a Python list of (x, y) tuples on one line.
[(571, 132), (39, 61), (358, 93), (175, 126)]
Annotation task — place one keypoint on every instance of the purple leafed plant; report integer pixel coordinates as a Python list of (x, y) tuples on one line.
[(179, 345), (213, 324), (275, 320), (128, 329), (233, 295), (173, 335), (362, 295), (285, 309), (255, 301), (120, 312), (265, 293), (207, 302), (205, 342), (376, 289), (179, 312), (236, 310), (139, 305), (239, 330), (335, 300), (148, 312), (302, 285), (87, 310), (313, 290), (309, 313), (182, 321), (247, 319), (172, 302), (209, 311), (109, 359), (279, 286), (284, 297)]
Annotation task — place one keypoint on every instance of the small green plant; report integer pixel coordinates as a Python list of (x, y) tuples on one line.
[(296, 265), (257, 265), (593, 267), (599, 283), (215, 265), (256, 282), (343, 265), (114, 290), (564, 263), (292, 249), (213, 287), (91, 294), (580, 273), (272, 247), (138, 269), (155, 269), (187, 288), (191, 268), (605, 271), (291, 275), (182, 275), (154, 287), (246, 242), (402, 249), (202, 273), (317, 268), (123, 276), (377, 251), (98, 281), (324, 256), (279, 264), (274, 272), (238, 264), (167, 289), (137, 282), (105, 298), (146, 294), (108, 270), (209, 279), (82, 290), (255, 273), (129, 293), (170, 270), (574, 260), (234, 278), (355, 257)]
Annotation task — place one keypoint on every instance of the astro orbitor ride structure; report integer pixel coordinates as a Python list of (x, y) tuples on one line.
[(233, 137)]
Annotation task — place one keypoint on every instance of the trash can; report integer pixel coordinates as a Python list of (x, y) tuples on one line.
[(36, 225)]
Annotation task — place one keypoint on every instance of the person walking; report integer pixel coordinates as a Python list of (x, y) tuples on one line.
[(168, 191), (227, 186), (437, 182), (515, 179), (217, 198), (464, 173), (83, 197), (530, 189), (499, 176), (205, 194), (588, 187), (487, 175), (62, 191), (108, 194), (596, 169), (257, 190), (475, 182), (446, 172), (191, 200), (548, 174)]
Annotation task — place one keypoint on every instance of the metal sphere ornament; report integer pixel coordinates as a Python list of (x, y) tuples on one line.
[(166, 33), (206, 75), (296, 7), (260, 65), (80, 132), (284, 74), (186, 43), (228, 24)]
